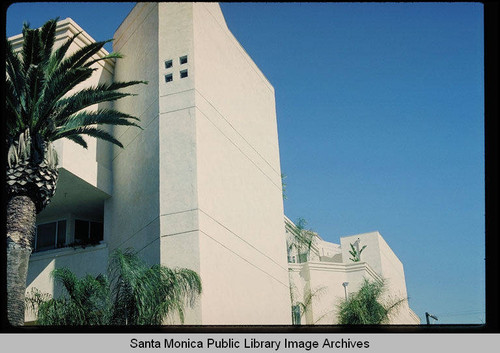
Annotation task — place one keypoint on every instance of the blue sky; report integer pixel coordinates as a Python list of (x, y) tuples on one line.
[(380, 112)]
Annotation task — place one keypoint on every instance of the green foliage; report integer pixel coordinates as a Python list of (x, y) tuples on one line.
[(145, 295), (300, 239), (365, 307), (86, 301), (356, 255), (40, 99), (303, 306), (283, 186), (135, 294)]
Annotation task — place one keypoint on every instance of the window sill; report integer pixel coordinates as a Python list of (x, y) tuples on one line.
[(52, 253)]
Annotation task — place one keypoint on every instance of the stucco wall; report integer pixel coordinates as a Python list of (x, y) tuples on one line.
[(91, 260), (189, 188), (132, 214), (242, 243)]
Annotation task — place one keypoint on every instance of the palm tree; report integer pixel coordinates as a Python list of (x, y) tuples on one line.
[(300, 308), (365, 307), (300, 239), (86, 301), (42, 107), (143, 295), (137, 294)]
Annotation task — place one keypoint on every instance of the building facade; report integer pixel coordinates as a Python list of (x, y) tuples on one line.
[(188, 187), (326, 274)]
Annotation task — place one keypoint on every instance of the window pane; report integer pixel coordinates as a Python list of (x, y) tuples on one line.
[(96, 231), (183, 59), (296, 315), (46, 236), (61, 234), (168, 78), (81, 231), (184, 73), (168, 64)]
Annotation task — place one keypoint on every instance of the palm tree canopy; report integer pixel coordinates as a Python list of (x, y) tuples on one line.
[(300, 239), (134, 294), (39, 97), (365, 306), (146, 295), (44, 104)]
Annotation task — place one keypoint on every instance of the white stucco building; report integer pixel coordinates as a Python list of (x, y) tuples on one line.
[(327, 274), (187, 189)]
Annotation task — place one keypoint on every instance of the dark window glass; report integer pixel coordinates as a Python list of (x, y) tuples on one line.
[(168, 64), (61, 233), (296, 315), (184, 73), (183, 59), (168, 78), (96, 231), (45, 236), (81, 231)]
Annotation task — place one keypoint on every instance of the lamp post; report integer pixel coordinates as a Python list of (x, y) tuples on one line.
[(345, 289), (427, 316)]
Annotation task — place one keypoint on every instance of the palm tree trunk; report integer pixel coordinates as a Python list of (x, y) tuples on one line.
[(21, 218)]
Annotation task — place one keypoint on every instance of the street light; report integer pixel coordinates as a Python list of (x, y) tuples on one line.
[(427, 316), (345, 289)]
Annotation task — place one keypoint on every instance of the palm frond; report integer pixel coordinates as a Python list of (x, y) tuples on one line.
[(39, 80), (90, 131), (104, 58), (14, 71), (67, 278), (365, 306), (59, 54), (79, 58), (31, 47), (78, 140), (101, 117), (91, 96)]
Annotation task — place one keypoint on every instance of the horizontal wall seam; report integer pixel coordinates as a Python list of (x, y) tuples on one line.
[(241, 151), (232, 127), (138, 133), (178, 233), (241, 257), (178, 212), (140, 230), (243, 240), (179, 92)]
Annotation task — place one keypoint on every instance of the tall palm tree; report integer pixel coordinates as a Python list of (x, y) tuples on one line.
[(42, 107), (137, 294), (365, 307)]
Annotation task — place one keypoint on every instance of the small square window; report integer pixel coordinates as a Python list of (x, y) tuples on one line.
[(168, 64), (168, 77), (183, 59), (184, 73)]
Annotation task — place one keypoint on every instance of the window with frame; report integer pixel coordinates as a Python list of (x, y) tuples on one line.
[(169, 77), (183, 59), (184, 73), (168, 64), (50, 235), (88, 232)]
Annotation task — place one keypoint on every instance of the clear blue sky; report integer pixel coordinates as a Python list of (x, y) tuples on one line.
[(380, 114)]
